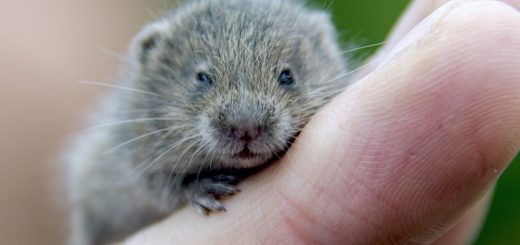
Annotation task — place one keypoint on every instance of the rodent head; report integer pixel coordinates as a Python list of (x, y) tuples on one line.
[(243, 77)]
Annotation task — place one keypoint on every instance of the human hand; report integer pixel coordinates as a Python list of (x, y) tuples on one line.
[(404, 155)]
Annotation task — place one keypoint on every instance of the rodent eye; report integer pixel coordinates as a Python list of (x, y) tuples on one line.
[(286, 78), (204, 78)]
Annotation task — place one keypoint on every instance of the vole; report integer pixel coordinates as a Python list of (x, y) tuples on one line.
[(213, 88)]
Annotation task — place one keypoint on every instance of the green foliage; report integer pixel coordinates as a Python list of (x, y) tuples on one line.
[(503, 223), (369, 22)]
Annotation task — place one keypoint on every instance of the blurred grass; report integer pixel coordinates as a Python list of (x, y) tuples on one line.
[(368, 22)]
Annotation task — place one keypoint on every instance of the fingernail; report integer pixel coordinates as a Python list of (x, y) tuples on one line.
[(422, 30)]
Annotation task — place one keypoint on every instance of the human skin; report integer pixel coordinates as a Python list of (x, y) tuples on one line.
[(407, 154)]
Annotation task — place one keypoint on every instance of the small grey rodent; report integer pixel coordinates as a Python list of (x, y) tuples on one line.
[(212, 89)]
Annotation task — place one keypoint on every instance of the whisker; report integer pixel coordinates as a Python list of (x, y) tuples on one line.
[(143, 136), (343, 75), (159, 155), (329, 6), (116, 55), (108, 85), (195, 154), (362, 47), (174, 167), (204, 161), (128, 121)]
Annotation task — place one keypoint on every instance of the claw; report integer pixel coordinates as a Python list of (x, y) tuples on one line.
[(222, 189), (209, 203), (204, 193)]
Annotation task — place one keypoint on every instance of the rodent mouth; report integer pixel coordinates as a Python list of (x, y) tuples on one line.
[(246, 154)]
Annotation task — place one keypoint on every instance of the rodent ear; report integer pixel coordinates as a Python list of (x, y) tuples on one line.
[(147, 41), (324, 35)]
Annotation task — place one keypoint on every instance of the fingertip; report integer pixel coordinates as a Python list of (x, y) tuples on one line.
[(416, 14)]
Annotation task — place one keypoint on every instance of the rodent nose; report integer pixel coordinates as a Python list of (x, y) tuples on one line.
[(246, 133)]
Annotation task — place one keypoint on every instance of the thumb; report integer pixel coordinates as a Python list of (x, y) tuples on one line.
[(407, 150)]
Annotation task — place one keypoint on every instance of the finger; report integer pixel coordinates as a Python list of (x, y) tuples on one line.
[(421, 138), (398, 158), (465, 231)]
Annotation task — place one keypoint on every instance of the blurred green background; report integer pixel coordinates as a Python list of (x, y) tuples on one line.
[(369, 22)]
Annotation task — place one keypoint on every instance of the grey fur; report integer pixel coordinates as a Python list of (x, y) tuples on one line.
[(243, 45)]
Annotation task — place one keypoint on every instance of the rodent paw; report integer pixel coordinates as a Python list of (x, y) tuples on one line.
[(226, 179), (204, 193)]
